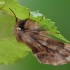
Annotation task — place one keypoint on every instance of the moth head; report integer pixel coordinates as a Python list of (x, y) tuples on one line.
[(19, 28), (20, 25), (24, 26)]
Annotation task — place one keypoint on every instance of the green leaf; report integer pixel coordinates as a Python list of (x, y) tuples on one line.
[(47, 24), (20, 12), (6, 25), (10, 49)]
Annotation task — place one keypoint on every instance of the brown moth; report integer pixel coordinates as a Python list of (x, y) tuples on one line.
[(45, 49)]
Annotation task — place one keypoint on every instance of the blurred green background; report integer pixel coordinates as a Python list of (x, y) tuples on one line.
[(59, 12)]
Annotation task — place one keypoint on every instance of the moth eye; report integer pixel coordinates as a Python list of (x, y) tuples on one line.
[(21, 27), (18, 28)]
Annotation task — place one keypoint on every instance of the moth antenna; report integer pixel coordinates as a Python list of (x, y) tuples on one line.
[(14, 15)]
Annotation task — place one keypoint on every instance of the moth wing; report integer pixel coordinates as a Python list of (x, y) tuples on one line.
[(52, 52), (50, 58)]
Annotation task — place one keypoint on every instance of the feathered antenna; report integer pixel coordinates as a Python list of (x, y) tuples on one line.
[(14, 15)]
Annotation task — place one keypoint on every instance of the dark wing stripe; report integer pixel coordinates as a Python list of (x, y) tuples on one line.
[(41, 45)]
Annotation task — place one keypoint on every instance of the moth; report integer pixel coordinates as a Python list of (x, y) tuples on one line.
[(44, 48)]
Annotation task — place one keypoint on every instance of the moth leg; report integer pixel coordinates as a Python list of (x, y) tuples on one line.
[(28, 16), (41, 19)]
